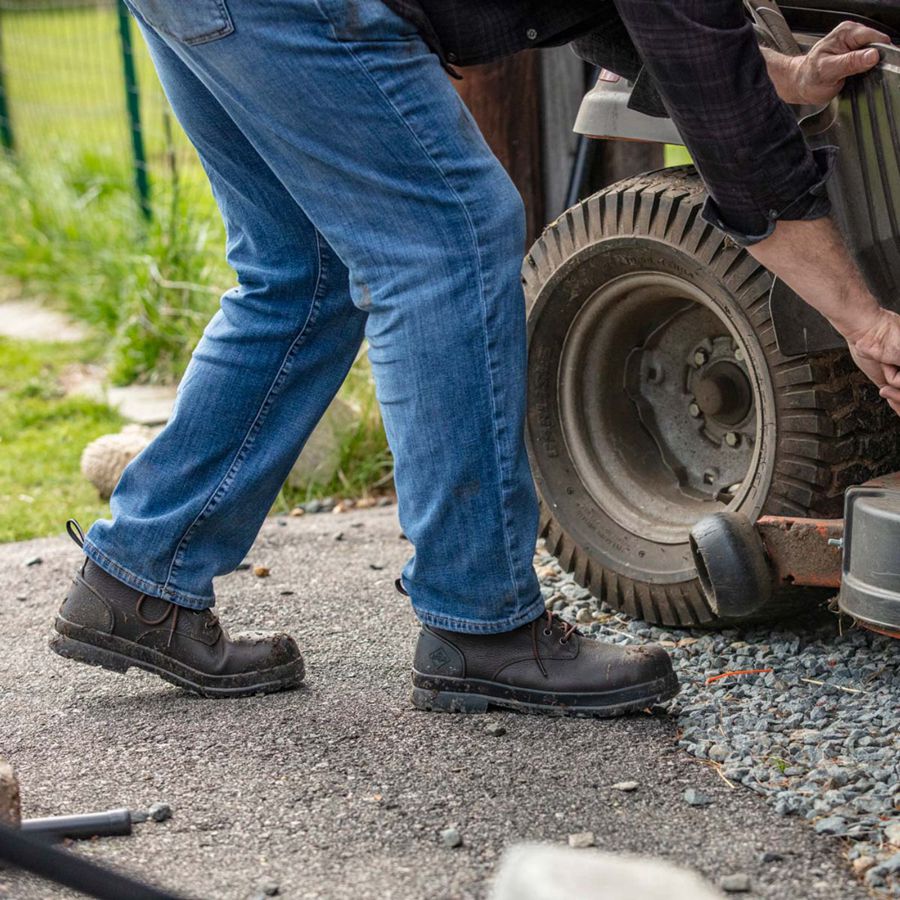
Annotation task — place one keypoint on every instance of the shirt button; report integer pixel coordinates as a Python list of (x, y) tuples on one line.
[(531, 34)]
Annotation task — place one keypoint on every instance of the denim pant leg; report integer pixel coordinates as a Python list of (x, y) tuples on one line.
[(269, 362), (355, 117)]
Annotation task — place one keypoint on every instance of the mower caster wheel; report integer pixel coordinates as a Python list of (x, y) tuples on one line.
[(731, 565)]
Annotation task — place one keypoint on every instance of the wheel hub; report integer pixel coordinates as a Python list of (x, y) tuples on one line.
[(694, 396)]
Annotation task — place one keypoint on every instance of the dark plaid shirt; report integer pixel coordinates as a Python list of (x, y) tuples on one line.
[(695, 60)]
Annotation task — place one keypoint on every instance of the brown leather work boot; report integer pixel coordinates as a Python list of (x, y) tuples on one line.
[(104, 622), (545, 666)]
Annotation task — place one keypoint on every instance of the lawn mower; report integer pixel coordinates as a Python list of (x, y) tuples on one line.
[(694, 428)]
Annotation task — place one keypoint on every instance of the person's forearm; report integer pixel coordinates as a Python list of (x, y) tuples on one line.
[(811, 258)]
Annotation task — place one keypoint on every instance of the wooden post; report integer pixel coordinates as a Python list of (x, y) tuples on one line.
[(505, 99)]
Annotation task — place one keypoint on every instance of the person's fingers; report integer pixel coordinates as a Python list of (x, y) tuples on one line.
[(835, 67), (853, 35), (891, 375), (891, 394)]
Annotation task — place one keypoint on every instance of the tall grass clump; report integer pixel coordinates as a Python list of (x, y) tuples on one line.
[(74, 237)]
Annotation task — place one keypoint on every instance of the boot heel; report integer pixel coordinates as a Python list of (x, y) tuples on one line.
[(88, 653), (448, 701)]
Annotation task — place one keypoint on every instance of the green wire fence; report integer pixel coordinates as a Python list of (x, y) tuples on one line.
[(76, 79)]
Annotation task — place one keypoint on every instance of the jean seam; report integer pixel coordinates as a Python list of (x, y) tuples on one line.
[(475, 244), (249, 439), (139, 583), (471, 626)]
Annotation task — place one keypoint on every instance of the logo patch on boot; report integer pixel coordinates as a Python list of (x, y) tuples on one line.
[(439, 659)]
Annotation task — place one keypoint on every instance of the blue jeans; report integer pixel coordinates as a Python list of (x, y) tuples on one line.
[(360, 200)]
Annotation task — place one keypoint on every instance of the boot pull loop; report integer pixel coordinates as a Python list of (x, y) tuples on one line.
[(73, 529), (398, 586)]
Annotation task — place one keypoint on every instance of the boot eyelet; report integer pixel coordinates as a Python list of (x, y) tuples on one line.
[(564, 640), (547, 632)]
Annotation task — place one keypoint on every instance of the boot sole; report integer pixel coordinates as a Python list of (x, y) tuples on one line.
[(117, 655), (469, 695)]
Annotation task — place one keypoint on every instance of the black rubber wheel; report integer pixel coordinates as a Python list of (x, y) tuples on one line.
[(657, 396), (731, 565)]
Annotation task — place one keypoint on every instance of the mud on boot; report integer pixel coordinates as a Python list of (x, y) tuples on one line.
[(542, 667), (103, 622)]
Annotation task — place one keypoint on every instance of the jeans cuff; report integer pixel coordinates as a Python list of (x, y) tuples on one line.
[(151, 588), (812, 203), (469, 626)]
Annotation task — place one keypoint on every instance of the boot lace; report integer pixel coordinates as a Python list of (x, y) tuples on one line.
[(552, 621)]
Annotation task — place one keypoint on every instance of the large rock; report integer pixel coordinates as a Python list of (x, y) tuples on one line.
[(549, 872), (321, 456), (10, 805), (103, 461)]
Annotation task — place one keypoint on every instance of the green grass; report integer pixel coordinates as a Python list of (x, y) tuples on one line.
[(42, 434)]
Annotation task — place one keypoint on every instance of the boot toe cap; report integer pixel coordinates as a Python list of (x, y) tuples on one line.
[(648, 662), (267, 650)]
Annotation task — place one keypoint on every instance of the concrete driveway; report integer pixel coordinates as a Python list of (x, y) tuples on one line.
[(341, 790)]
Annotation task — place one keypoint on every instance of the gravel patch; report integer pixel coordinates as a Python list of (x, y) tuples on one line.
[(814, 730)]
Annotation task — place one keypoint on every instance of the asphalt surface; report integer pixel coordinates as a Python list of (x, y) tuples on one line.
[(341, 789)]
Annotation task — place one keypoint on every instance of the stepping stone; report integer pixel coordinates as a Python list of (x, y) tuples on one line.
[(543, 872), (28, 320)]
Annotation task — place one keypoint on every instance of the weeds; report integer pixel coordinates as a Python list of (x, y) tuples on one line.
[(42, 434), (78, 241)]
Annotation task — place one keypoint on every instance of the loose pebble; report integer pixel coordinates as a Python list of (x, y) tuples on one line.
[(831, 825), (269, 887), (298, 511), (495, 729), (738, 883), (450, 838), (582, 839), (626, 786), (34, 561), (694, 797), (261, 571), (159, 812)]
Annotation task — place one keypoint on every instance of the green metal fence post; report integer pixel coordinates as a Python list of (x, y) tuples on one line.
[(133, 104), (6, 132)]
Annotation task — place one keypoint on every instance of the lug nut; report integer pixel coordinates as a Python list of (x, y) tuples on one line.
[(694, 410), (700, 357), (738, 354), (709, 477), (732, 439)]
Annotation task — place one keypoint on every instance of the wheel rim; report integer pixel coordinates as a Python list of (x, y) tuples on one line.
[(659, 405)]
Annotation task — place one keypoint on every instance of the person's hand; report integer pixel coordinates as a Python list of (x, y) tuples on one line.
[(876, 350), (820, 74)]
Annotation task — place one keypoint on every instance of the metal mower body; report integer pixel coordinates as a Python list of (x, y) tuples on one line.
[(681, 398)]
